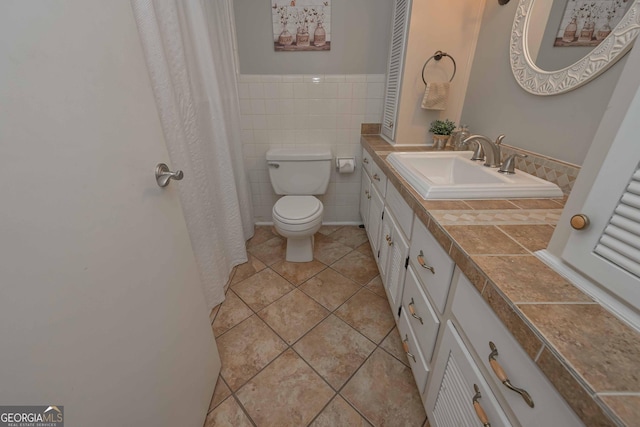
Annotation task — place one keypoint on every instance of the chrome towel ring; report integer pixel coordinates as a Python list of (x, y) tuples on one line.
[(438, 56)]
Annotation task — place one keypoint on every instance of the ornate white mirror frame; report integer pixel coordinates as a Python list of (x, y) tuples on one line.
[(540, 82)]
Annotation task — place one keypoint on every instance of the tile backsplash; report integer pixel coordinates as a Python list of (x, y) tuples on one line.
[(308, 110)]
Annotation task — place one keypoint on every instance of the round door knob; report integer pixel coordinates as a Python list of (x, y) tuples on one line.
[(579, 221)]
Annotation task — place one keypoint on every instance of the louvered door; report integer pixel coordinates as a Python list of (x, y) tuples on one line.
[(608, 250), (402, 10)]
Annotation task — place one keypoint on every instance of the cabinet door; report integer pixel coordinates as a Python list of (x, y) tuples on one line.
[(450, 395), (365, 197), (401, 12), (608, 250), (385, 245), (376, 208), (396, 262)]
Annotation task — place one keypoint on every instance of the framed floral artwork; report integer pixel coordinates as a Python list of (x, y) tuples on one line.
[(301, 25), (587, 23)]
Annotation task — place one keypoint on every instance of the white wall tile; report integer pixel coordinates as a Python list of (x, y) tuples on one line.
[(280, 111)]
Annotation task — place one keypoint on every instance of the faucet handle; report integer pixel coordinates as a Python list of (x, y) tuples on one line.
[(499, 139), (509, 165)]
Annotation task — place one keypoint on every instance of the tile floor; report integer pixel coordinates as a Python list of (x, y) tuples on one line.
[(311, 344)]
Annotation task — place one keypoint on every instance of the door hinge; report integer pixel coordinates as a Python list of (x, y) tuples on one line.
[(399, 311), (382, 214), (378, 254), (406, 263)]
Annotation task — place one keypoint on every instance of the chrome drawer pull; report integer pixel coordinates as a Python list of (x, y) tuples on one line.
[(405, 346), (424, 264), (502, 376), (412, 311), (482, 416), (365, 160), (389, 241), (376, 177)]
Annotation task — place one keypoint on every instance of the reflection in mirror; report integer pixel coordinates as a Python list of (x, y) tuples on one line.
[(547, 59)]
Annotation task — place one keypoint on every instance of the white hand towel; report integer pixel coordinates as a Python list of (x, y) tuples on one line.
[(435, 96)]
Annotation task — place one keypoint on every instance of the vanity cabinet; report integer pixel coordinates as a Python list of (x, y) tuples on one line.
[(507, 358)]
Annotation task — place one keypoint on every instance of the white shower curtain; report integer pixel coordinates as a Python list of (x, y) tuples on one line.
[(188, 46)]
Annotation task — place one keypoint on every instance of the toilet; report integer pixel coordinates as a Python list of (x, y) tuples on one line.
[(298, 174)]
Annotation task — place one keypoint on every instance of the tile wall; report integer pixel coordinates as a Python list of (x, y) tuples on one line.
[(308, 110)]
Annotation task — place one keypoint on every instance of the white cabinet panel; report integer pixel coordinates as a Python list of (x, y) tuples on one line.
[(379, 179), (376, 208), (401, 210), (398, 250), (422, 317), (431, 263), (365, 198), (449, 398), (481, 326), (411, 348)]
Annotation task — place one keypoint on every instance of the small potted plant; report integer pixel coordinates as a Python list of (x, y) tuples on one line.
[(441, 130)]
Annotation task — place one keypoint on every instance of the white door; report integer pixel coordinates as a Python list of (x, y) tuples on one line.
[(101, 308), (608, 250)]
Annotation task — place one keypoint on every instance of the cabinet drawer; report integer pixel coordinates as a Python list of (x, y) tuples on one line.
[(366, 161), (481, 326), (378, 179), (421, 316), (400, 208), (414, 355), (450, 397), (432, 264)]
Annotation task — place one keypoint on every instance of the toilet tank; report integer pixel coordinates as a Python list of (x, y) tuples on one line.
[(299, 171)]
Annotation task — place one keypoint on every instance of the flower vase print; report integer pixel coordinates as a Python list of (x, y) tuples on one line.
[(587, 23), (301, 25)]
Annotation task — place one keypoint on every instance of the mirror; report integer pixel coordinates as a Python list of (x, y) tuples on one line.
[(528, 30)]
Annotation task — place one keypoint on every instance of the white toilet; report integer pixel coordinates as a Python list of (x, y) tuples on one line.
[(298, 174)]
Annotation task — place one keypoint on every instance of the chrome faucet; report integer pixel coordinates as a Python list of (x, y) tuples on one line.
[(491, 149)]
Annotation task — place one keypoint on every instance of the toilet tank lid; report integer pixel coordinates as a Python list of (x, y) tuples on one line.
[(290, 154)]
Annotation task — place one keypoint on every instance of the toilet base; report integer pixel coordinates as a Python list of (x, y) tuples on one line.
[(300, 249)]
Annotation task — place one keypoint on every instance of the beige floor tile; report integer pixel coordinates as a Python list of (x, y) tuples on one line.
[(339, 414), (328, 229), (227, 414), (393, 345), (377, 287), (246, 349), (352, 236), (271, 251), (369, 314), (365, 249), (335, 350), (286, 393), (293, 315), (328, 250), (298, 272), (220, 393), (330, 288), (214, 312), (232, 312), (248, 269), (262, 234), (384, 391), (357, 266), (261, 289)]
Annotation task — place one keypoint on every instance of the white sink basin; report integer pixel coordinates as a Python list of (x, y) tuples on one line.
[(451, 175)]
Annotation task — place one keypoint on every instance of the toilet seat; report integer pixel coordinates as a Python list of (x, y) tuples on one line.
[(297, 210)]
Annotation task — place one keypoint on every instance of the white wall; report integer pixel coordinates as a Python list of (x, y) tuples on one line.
[(308, 110)]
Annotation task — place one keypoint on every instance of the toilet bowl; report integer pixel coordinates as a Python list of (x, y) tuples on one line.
[(298, 174), (298, 218)]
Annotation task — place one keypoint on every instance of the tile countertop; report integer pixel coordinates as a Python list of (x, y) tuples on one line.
[(591, 357)]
